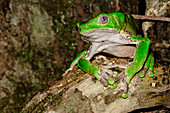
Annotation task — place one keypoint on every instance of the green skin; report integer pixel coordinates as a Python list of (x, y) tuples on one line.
[(114, 33)]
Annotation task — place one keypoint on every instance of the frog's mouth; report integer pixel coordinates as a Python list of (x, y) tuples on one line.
[(108, 36)]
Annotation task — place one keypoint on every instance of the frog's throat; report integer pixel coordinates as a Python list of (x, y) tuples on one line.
[(101, 30), (107, 35), (114, 31)]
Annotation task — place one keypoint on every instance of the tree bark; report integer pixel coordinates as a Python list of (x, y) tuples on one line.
[(78, 92)]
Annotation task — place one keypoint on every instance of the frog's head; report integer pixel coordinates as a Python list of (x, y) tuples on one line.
[(116, 27)]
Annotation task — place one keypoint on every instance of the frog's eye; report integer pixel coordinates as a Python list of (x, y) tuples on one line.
[(103, 19)]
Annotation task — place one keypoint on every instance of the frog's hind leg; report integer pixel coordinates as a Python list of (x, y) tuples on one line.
[(149, 64)]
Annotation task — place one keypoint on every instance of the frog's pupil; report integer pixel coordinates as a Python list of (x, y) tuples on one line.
[(104, 18)]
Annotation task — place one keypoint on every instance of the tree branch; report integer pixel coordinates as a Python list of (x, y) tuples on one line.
[(156, 18)]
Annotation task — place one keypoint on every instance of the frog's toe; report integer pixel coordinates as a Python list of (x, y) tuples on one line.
[(104, 82), (125, 92), (106, 88), (107, 82), (141, 74), (150, 74), (110, 81), (110, 87), (120, 76), (115, 74), (113, 86), (125, 95)]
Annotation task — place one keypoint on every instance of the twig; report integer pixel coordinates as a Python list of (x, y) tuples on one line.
[(156, 18)]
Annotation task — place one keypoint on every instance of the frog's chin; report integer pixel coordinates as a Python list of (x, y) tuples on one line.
[(108, 36)]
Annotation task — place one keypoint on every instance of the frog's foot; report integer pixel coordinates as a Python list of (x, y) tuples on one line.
[(125, 92), (114, 74), (121, 76), (110, 82), (107, 81), (143, 72), (149, 64)]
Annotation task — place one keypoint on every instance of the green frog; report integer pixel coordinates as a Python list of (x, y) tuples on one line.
[(115, 34)]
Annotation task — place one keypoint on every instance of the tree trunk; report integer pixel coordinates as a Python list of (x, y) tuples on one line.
[(78, 92)]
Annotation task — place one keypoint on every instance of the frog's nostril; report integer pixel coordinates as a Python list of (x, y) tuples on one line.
[(77, 28)]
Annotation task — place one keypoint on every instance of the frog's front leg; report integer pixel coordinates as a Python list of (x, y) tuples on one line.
[(138, 62), (97, 72), (75, 61)]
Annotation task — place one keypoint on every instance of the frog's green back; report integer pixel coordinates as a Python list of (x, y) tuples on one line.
[(123, 22), (131, 25)]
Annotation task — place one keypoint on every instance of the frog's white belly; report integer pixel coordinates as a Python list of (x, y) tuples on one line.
[(121, 51)]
